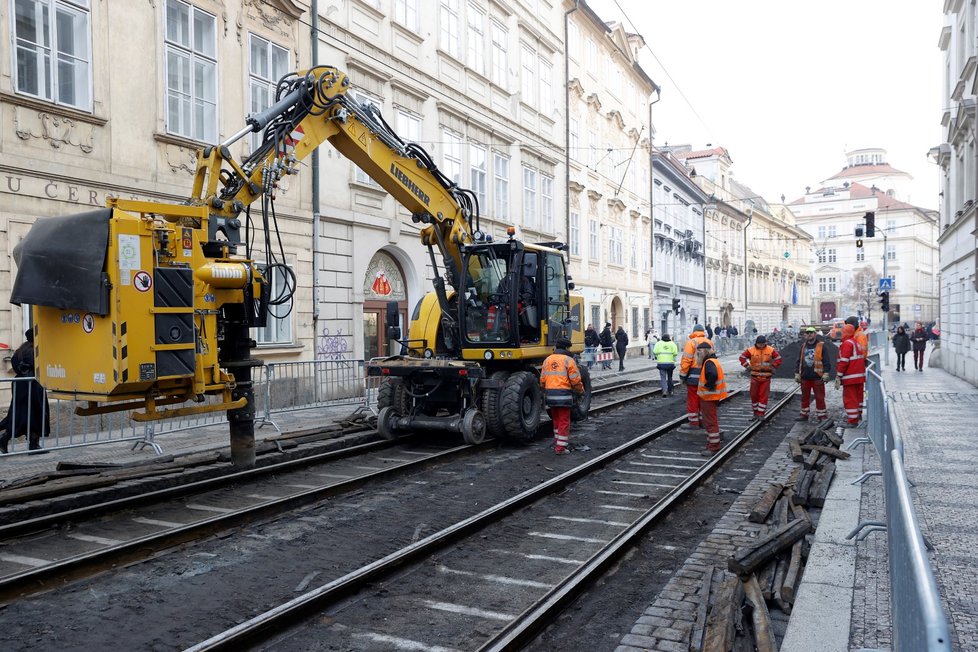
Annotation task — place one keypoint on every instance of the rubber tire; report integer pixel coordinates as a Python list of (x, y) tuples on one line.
[(473, 427), (521, 406), (392, 394), (495, 427), (582, 402), (385, 427)]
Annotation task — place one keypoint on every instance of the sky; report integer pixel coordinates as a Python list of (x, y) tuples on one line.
[(788, 87)]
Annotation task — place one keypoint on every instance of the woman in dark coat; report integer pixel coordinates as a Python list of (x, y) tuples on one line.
[(919, 340), (621, 344), (901, 342), (28, 412)]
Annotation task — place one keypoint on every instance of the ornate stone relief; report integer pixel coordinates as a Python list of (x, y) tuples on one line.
[(179, 158), (58, 130)]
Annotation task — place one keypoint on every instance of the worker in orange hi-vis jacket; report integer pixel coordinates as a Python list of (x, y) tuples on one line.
[(561, 380), (689, 374), (712, 389), (851, 375), (760, 360)]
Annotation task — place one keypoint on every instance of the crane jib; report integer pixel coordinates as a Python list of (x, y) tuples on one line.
[(410, 185)]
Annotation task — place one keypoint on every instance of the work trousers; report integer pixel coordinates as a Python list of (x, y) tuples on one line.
[(918, 359), (711, 424), (760, 389), (818, 387), (852, 398), (561, 416), (665, 377), (692, 405)]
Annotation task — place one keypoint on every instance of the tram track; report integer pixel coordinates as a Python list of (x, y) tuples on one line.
[(41, 553), (457, 616)]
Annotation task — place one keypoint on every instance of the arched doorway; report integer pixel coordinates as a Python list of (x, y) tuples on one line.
[(383, 282), (617, 314)]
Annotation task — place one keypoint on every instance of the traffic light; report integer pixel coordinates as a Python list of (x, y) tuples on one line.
[(675, 305), (885, 302), (859, 231), (859, 243), (870, 224)]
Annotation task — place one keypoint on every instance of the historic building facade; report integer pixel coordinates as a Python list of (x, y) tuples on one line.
[(958, 230), (609, 230)]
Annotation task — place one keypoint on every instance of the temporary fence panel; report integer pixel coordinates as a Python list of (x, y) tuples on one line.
[(315, 383)]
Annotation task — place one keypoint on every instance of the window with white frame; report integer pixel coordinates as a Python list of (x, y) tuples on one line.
[(573, 141), (615, 246), (891, 252), (528, 76), (547, 202), (821, 256), (191, 72), (860, 255), (593, 246), (529, 197), (450, 27), (406, 13), (359, 176), (633, 258), (890, 225), (277, 330), (52, 51), (826, 284), (575, 233), (831, 231), (451, 165), (573, 40), (546, 103), (590, 55), (500, 185), (832, 257), (478, 173), (476, 41), (498, 70), (408, 126), (267, 64)]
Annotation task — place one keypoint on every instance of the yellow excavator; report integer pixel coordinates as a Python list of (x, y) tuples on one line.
[(147, 305)]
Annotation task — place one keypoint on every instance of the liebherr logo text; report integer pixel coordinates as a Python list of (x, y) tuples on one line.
[(410, 185)]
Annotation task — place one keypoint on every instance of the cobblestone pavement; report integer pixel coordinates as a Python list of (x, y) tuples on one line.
[(936, 414)]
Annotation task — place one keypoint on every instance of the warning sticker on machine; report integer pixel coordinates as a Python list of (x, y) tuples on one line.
[(129, 258), (147, 371)]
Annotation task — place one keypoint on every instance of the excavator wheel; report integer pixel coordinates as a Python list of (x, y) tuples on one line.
[(521, 405), (490, 407), (582, 402), (385, 423), (392, 394), (473, 427)]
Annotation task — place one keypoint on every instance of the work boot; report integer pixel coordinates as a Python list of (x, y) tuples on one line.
[(3, 447), (561, 451)]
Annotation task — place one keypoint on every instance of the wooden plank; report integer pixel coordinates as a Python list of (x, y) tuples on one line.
[(836, 440), (724, 616), (748, 559), (764, 504), (804, 486), (820, 486), (811, 461), (760, 618), (792, 574), (779, 575), (827, 450), (699, 625), (794, 450)]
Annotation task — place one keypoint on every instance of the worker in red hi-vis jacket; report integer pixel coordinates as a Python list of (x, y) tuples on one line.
[(760, 360), (561, 380), (851, 375), (689, 375)]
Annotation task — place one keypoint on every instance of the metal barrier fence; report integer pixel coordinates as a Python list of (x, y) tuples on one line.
[(303, 385), (919, 622)]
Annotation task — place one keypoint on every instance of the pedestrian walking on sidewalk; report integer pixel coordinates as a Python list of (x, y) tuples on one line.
[(812, 374), (607, 341), (760, 361), (28, 414), (666, 352), (901, 344), (919, 341), (650, 340), (621, 347), (591, 344), (689, 375), (851, 375), (711, 390), (561, 380)]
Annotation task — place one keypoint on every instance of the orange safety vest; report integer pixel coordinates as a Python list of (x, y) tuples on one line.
[(819, 367), (687, 366), (720, 391), (862, 339), (763, 362), (560, 378)]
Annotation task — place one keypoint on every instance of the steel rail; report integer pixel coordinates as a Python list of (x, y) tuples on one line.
[(78, 566), (528, 624), (267, 624)]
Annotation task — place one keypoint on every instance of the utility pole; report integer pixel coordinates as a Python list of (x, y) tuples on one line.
[(886, 332)]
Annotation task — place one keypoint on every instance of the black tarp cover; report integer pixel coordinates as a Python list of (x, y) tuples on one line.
[(60, 262)]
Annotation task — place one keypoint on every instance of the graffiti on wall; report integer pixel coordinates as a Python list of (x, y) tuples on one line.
[(332, 346)]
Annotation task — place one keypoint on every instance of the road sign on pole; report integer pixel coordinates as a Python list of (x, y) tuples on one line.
[(886, 284)]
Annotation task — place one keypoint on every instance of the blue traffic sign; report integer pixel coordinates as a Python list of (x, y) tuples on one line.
[(886, 284)]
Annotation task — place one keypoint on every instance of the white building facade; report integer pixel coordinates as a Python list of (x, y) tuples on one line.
[(608, 190), (958, 208)]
